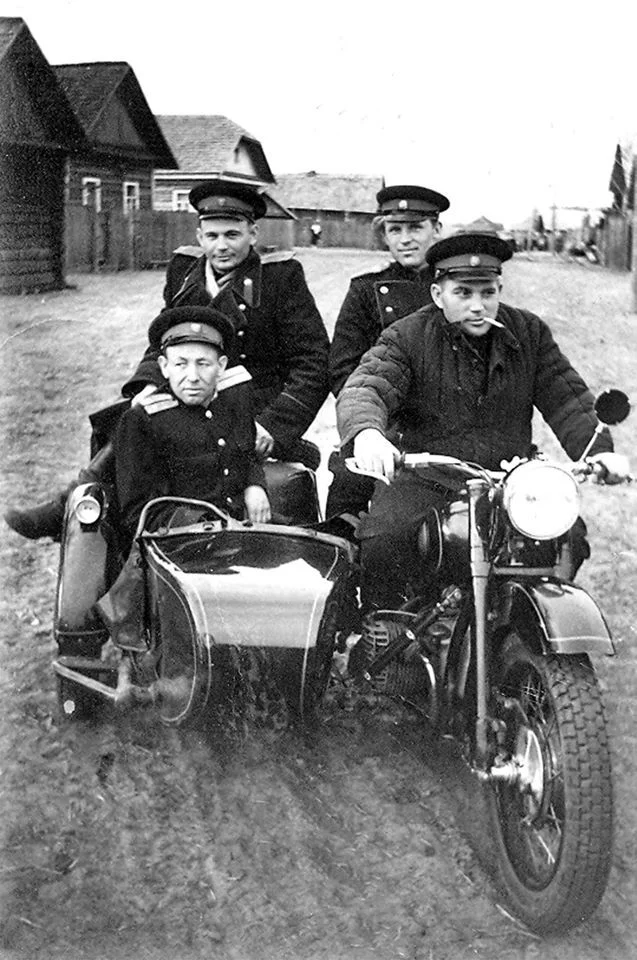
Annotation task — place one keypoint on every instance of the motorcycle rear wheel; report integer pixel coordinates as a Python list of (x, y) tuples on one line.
[(553, 838)]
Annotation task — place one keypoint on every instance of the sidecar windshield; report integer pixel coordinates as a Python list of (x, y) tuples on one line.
[(224, 552)]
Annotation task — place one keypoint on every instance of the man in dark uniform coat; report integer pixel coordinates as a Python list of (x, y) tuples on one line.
[(203, 446), (407, 220), (282, 345), (460, 378), (282, 342)]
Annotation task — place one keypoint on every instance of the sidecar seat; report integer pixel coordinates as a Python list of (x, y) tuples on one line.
[(293, 493)]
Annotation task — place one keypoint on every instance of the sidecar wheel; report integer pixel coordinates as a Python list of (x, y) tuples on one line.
[(74, 702), (183, 677), (553, 827)]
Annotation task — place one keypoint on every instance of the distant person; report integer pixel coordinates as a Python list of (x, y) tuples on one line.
[(315, 233), (282, 345), (408, 223)]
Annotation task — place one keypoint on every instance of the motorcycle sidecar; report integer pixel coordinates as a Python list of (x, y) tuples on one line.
[(220, 599)]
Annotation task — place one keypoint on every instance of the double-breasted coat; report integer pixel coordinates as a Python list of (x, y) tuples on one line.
[(281, 339), (374, 301), (205, 453)]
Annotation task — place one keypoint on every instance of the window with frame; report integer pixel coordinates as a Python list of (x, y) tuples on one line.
[(92, 193), (130, 195), (180, 200)]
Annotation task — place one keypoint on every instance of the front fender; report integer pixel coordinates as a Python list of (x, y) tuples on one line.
[(564, 616)]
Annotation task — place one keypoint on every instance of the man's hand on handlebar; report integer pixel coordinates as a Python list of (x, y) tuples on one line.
[(373, 453), (153, 400)]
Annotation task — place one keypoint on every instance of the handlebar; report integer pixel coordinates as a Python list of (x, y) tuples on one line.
[(414, 461)]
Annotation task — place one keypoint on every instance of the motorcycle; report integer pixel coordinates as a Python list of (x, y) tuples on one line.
[(499, 662), (493, 653)]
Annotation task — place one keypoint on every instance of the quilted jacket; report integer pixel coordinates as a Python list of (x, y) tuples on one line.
[(429, 388)]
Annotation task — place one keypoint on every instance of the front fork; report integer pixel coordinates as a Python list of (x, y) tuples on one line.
[(480, 569)]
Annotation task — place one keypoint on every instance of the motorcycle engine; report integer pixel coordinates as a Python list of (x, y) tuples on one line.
[(404, 677)]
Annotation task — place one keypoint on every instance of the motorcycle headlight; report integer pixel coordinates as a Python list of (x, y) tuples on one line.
[(88, 510), (541, 499)]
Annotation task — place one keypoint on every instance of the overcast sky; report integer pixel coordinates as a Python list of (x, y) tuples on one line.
[(503, 106)]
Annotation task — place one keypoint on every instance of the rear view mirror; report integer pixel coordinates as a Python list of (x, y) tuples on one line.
[(612, 407)]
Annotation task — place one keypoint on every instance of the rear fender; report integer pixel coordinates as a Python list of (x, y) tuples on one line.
[(563, 617)]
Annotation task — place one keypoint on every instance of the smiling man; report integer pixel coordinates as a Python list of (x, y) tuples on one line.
[(407, 223), (459, 378), (282, 345)]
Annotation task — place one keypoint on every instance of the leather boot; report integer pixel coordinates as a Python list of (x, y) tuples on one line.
[(45, 520)]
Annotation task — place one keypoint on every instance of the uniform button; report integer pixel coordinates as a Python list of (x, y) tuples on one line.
[(384, 289), (242, 306), (226, 472), (221, 442), (389, 309), (209, 414), (240, 333), (242, 356), (228, 499)]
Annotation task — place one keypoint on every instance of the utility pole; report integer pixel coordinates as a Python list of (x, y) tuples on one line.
[(634, 260), (553, 229)]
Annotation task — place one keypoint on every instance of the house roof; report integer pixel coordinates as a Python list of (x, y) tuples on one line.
[(204, 146), (50, 120), (483, 225), (354, 193), (92, 87)]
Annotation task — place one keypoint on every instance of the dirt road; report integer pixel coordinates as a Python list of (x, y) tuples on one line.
[(353, 841)]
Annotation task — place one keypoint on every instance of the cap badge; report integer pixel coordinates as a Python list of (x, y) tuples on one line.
[(402, 204), (195, 327), (474, 261)]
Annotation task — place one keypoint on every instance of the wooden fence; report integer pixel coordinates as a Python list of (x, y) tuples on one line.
[(112, 240)]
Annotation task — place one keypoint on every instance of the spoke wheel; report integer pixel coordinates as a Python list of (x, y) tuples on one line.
[(553, 826)]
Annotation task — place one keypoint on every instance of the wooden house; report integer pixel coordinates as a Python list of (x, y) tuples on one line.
[(126, 141), (207, 147), (343, 206), (38, 132)]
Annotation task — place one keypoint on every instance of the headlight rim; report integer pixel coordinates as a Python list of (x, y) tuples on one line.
[(521, 480)]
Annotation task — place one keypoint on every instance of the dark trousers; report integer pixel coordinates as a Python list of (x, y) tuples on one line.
[(349, 492)]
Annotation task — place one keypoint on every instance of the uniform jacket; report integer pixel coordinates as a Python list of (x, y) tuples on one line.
[(282, 341), (425, 381), (203, 453), (373, 301)]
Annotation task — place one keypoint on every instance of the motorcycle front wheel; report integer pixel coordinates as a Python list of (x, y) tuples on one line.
[(552, 828)]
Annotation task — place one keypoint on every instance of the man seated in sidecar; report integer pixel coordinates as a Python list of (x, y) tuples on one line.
[(461, 378), (202, 448)]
